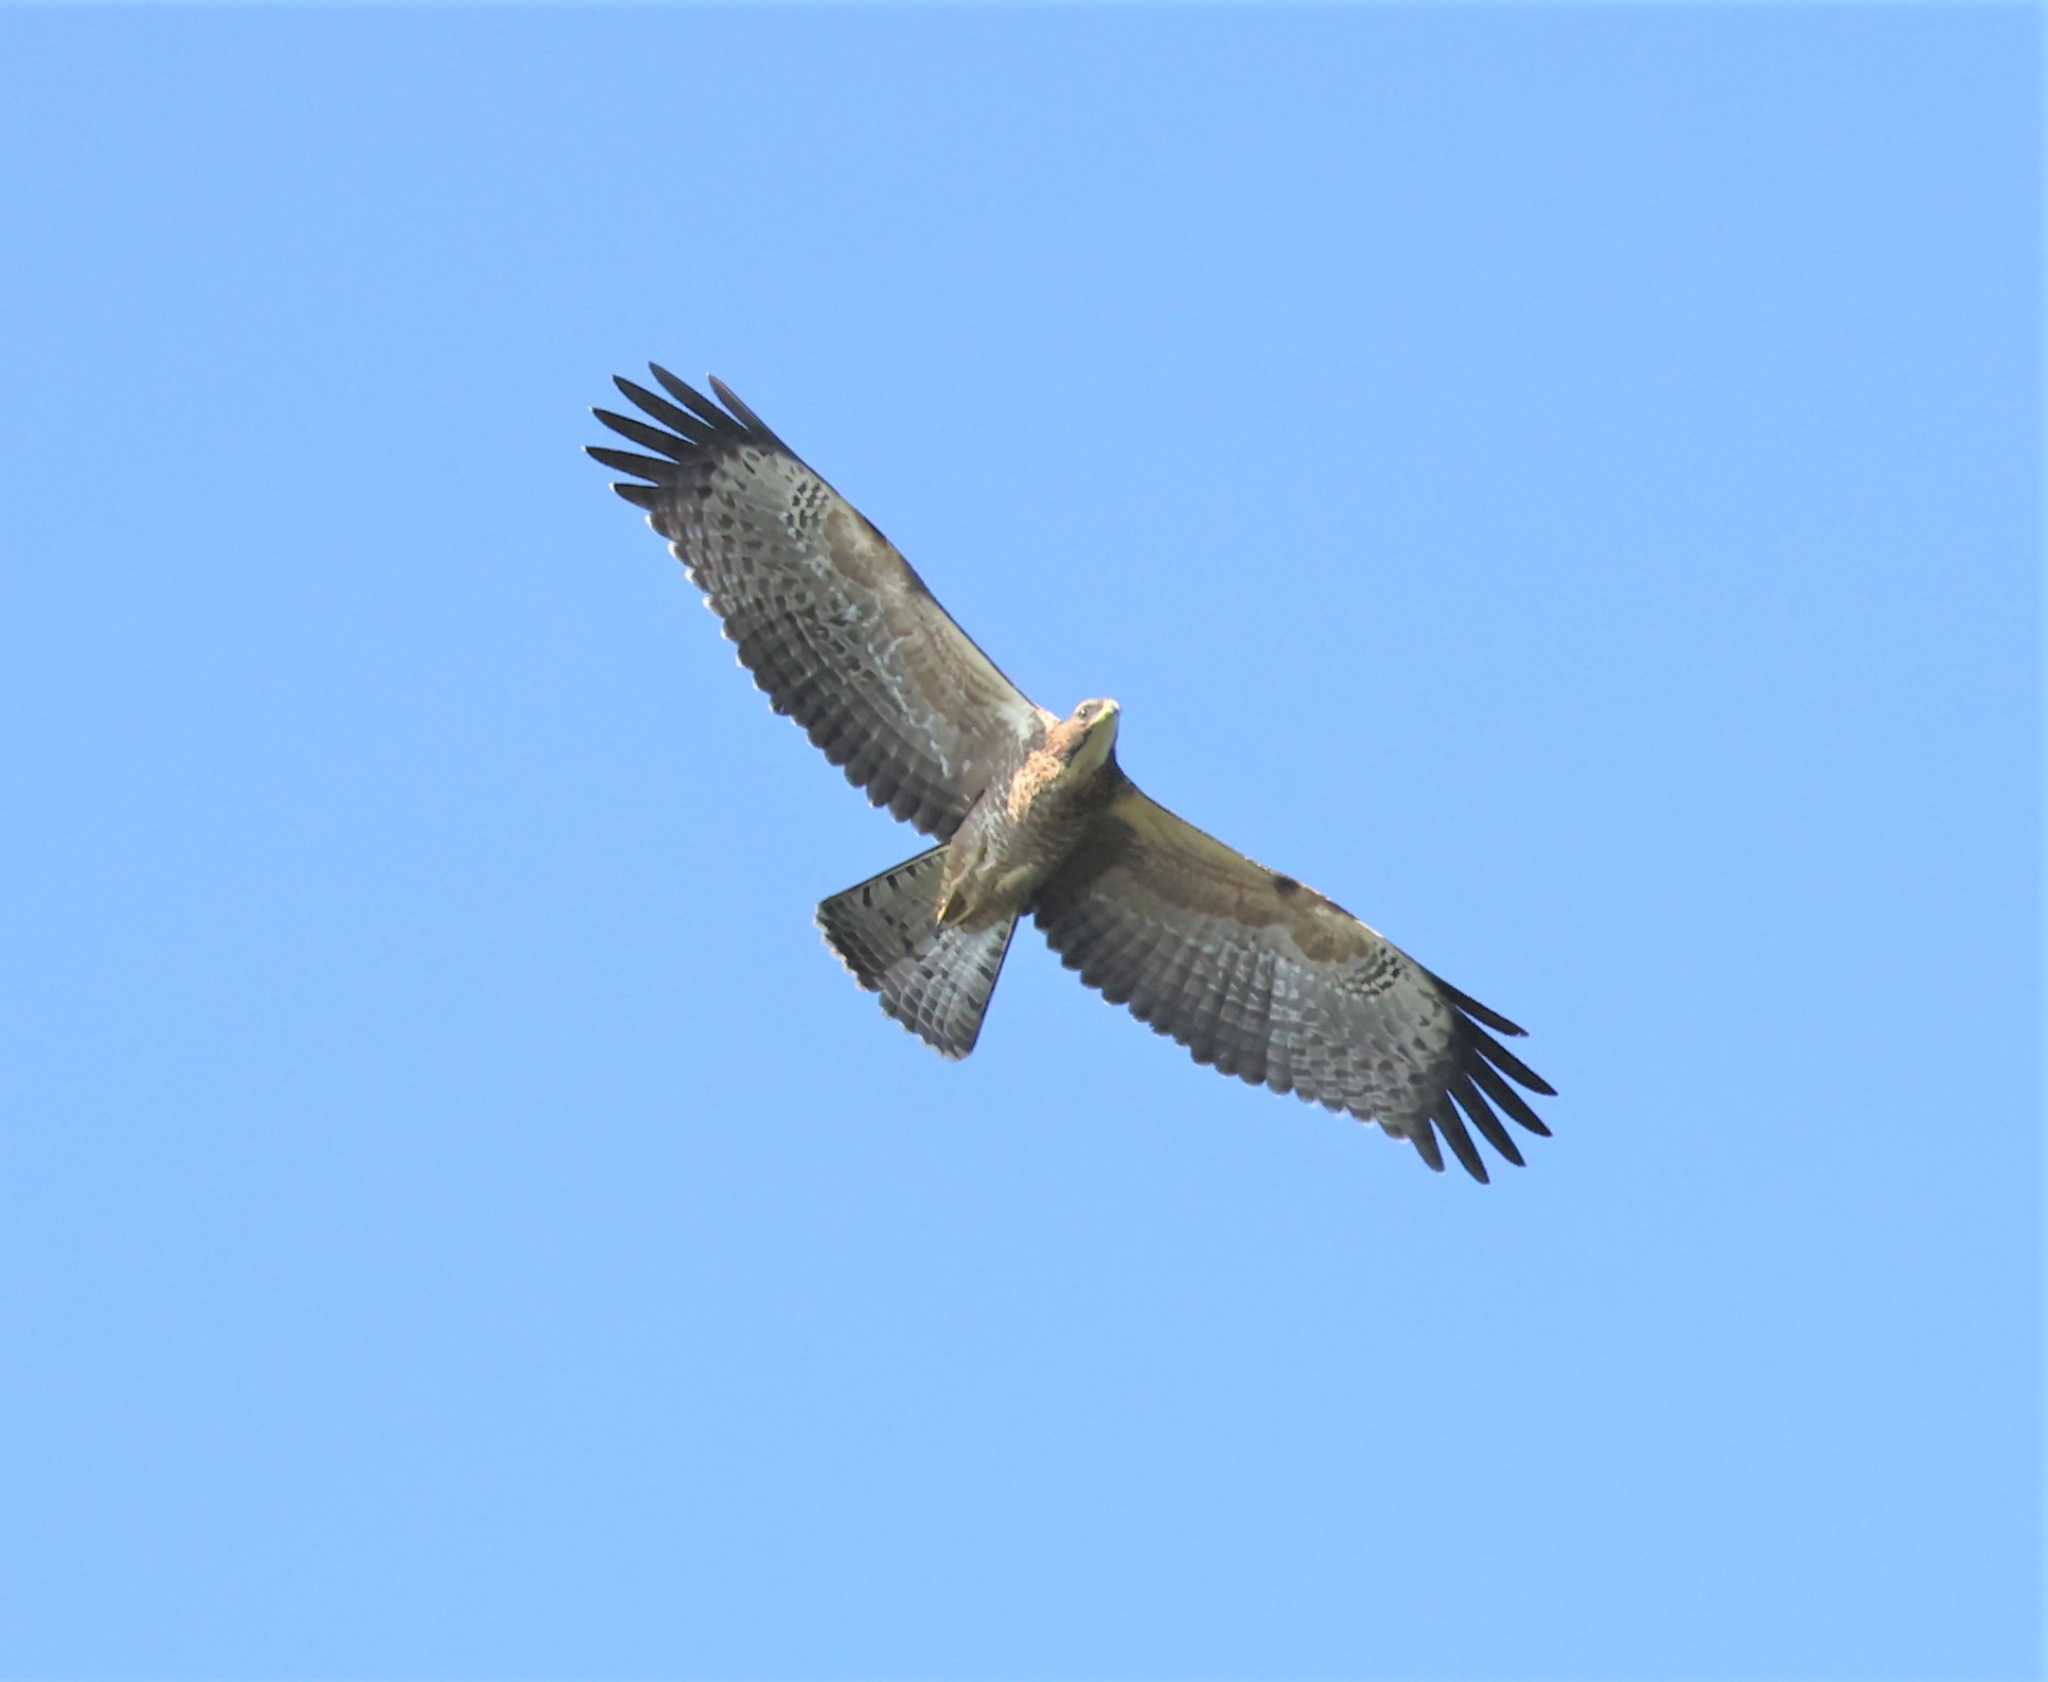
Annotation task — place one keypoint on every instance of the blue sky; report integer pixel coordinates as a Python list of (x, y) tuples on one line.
[(1565, 482)]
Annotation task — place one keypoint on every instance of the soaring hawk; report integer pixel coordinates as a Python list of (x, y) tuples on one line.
[(1252, 971)]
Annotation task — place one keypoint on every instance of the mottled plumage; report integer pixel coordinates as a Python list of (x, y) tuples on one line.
[(1254, 973)]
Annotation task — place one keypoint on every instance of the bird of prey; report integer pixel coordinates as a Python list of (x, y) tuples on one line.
[(1253, 971)]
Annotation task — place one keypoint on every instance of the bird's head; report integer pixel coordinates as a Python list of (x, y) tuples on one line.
[(1084, 741)]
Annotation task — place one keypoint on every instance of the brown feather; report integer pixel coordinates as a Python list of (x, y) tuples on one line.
[(1269, 980), (829, 618)]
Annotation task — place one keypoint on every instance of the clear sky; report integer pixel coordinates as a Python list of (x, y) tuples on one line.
[(1567, 483)]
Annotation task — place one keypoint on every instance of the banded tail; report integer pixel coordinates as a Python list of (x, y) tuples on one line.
[(934, 981)]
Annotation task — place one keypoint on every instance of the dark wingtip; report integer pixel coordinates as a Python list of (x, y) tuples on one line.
[(1494, 1084), (1490, 1050), (732, 401), (1468, 1099), (655, 468), (692, 399), (1479, 1012), (692, 428), (675, 447), (1452, 1126)]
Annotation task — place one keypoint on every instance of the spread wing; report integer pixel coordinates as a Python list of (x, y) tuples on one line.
[(1271, 982), (831, 620)]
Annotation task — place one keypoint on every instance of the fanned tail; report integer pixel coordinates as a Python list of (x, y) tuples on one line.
[(934, 981)]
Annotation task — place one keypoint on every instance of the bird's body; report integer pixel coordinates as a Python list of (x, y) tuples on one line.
[(1255, 973), (1030, 818)]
